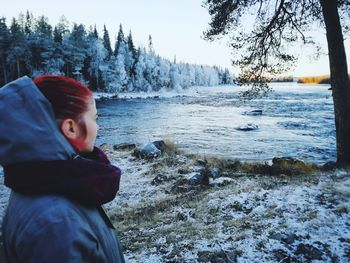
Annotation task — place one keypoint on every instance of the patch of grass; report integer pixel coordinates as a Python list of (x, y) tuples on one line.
[(280, 166), (310, 215), (256, 168), (224, 163), (171, 148), (343, 209), (291, 166)]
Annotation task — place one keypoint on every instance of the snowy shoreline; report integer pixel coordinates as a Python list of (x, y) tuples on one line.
[(238, 217), (160, 216)]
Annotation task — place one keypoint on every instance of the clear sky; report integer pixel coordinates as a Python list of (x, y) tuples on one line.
[(176, 27)]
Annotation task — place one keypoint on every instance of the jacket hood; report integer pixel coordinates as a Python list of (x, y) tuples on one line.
[(28, 128)]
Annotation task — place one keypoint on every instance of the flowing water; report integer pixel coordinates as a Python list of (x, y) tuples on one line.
[(296, 121)]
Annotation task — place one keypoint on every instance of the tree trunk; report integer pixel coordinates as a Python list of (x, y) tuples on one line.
[(339, 80), (4, 71), (18, 67)]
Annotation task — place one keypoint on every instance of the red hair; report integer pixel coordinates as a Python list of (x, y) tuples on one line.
[(69, 98)]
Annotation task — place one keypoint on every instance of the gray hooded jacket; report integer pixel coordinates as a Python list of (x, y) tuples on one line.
[(45, 228)]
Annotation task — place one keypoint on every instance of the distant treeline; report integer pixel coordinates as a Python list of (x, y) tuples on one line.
[(31, 46), (324, 79)]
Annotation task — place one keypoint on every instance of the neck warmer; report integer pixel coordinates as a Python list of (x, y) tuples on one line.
[(90, 179)]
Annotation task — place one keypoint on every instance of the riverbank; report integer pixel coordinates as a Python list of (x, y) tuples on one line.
[(188, 208), (162, 214)]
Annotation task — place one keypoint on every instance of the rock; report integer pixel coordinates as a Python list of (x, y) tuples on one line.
[(148, 151), (124, 146), (160, 145), (248, 127), (199, 169), (309, 252), (214, 172), (199, 179), (254, 113)]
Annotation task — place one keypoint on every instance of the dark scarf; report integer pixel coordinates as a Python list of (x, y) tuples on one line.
[(90, 179)]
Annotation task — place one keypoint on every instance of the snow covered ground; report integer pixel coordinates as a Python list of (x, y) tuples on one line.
[(160, 216)]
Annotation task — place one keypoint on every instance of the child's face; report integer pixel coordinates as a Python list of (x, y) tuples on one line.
[(89, 118)]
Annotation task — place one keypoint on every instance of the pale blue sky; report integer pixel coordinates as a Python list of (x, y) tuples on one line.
[(176, 27)]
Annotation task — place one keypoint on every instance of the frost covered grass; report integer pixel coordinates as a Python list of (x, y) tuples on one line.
[(286, 211), (283, 211)]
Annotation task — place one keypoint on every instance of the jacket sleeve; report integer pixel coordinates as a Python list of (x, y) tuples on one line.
[(66, 240)]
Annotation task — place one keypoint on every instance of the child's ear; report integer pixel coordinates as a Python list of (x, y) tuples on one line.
[(70, 129)]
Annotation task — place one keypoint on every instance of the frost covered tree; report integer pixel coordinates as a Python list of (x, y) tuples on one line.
[(30, 46), (163, 66), (140, 82), (96, 61), (265, 48)]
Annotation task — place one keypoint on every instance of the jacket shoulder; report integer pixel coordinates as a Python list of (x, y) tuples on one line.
[(48, 229)]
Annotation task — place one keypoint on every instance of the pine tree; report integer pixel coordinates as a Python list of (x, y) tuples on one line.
[(93, 33), (29, 23), (134, 54), (107, 41), (131, 45), (19, 55), (61, 29), (120, 39), (75, 51), (150, 44), (42, 47)]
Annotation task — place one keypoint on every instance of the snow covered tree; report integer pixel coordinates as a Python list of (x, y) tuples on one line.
[(175, 78), (140, 83), (164, 73), (97, 55)]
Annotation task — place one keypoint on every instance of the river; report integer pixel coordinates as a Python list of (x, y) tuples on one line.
[(297, 121)]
